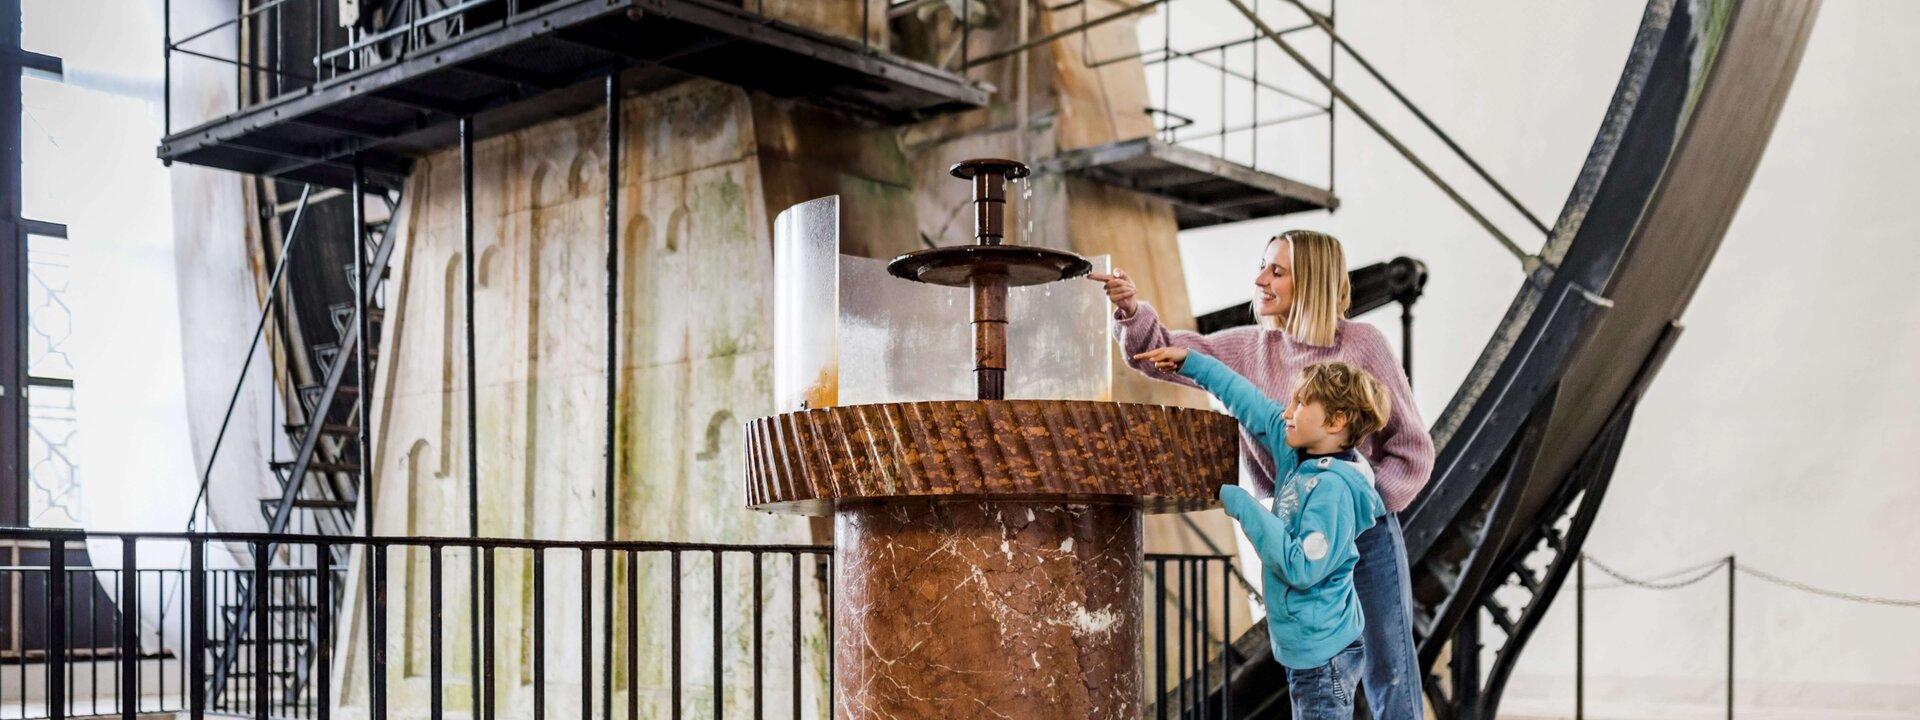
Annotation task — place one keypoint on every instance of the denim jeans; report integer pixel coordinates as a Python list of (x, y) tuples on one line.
[(1380, 579), (1326, 692)]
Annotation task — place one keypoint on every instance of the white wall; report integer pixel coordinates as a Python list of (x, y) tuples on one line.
[(1777, 429)]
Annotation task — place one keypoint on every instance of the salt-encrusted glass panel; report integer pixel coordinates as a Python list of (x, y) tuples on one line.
[(806, 286)]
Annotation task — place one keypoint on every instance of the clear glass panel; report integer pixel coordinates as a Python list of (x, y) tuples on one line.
[(49, 311), (848, 333), (806, 251), (53, 476), (904, 341)]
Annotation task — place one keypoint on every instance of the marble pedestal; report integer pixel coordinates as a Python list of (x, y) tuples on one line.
[(987, 608), (987, 553)]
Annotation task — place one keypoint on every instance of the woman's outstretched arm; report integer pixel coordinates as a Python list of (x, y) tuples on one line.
[(1138, 328)]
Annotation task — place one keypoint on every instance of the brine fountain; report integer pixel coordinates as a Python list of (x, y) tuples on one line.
[(987, 551)]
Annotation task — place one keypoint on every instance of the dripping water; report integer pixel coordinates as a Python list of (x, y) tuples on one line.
[(1026, 193)]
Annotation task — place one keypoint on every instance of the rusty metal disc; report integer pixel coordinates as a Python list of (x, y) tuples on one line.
[(957, 266)]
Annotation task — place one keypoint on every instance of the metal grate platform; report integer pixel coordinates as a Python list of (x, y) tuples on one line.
[(544, 63), (1204, 189)]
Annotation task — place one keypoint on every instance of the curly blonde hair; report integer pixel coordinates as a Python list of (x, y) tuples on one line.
[(1349, 392)]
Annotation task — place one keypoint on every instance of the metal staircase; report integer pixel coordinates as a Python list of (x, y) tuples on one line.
[(320, 486)]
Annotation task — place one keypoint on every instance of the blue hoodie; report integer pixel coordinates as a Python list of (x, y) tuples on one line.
[(1306, 543)]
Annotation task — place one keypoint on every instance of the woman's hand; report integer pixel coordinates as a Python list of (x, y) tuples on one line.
[(1167, 359), (1119, 290)]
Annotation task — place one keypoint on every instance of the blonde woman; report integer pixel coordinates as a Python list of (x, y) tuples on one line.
[(1301, 299)]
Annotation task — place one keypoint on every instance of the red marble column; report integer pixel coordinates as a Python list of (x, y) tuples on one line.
[(953, 609)]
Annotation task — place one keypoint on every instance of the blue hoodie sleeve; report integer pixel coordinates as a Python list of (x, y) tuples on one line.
[(1264, 417), (1328, 528)]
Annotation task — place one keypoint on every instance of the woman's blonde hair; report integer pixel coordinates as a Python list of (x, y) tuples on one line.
[(1349, 392), (1321, 290)]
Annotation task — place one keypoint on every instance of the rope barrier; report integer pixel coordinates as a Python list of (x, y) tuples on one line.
[(1698, 572)]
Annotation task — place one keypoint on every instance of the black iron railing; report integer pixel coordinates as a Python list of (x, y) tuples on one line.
[(140, 632)]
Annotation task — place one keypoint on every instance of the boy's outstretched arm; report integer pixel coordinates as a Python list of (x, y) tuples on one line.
[(1327, 530), (1263, 416)]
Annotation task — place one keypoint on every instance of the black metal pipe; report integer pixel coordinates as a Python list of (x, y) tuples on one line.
[(466, 235), (473, 406), (166, 67), (1731, 574), (361, 293), (611, 491), (613, 290), (319, 41), (259, 329), (1406, 340)]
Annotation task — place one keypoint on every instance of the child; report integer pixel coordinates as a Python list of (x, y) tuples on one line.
[(1324, 501)]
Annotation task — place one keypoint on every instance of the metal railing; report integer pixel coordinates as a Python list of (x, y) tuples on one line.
[(280, 48), (687, 625)]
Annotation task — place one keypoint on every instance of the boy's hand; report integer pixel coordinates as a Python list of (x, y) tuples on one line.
[(1119, 290), (1233, 499), (1166, 359)]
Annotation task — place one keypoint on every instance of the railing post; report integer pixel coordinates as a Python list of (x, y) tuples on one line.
[(1580, 639), (377, 627), (129, 628), (57, 622), (323, 628), (435, 703), (539, 634), (1160, 637), (1731, 567), (196, 611), (1226, 636), (262, 631)]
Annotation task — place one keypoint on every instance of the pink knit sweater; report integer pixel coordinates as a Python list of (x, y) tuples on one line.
[(1401, 453)]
